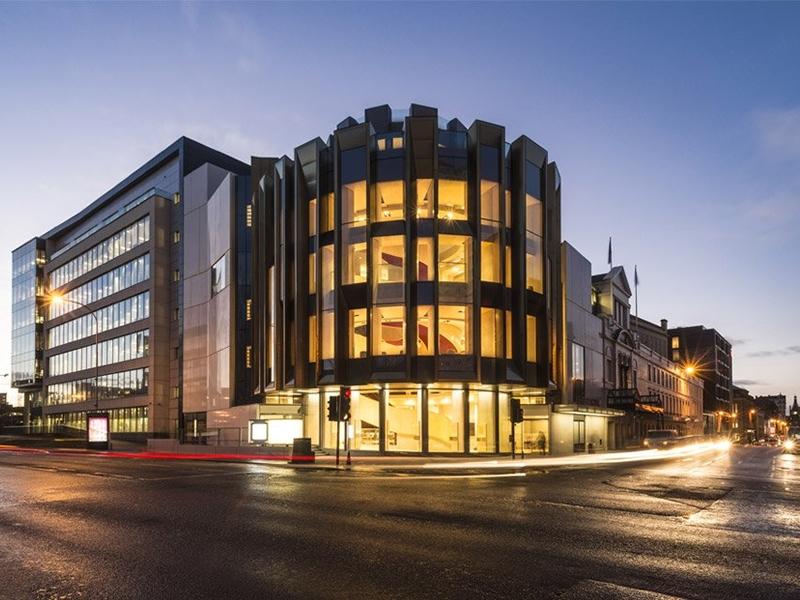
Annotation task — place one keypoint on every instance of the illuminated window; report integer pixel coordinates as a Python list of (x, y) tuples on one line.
[(452, 199), (491, 332), (424, 330), (676, 342), (397, 142), (313, 335), (388, 330), (446, 421), (327, 277), (530, 341), (248, 215), (454, 258), (490, 201), (312, 217), (248, 308), (424, 259), (533, 215), (403, 420), (176, 198), (326, 213), (381, 144), (481, 422), (490, 253), (424, 198), (354, 202), (248, 357), (176, 236), (389, 201), (388, 263), (534, 264), (455, 329), (508, 208), (312, 273), (509, 339), (354, 255), (357, 332), (328, 346), (508, 266)]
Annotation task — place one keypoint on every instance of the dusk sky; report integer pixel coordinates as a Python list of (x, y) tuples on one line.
[(676, 127)]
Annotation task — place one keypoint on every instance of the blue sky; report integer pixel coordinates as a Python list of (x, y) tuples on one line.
[(676, 127)]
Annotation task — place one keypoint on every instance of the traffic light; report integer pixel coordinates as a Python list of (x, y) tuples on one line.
[(333, 408), (344, 394), (516, 411)]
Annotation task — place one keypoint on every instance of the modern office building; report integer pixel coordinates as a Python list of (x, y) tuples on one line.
[(407, 256), (415, 260), (98, 304), (708, 354)]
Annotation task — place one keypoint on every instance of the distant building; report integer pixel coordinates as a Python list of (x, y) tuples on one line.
[(655, 337), (779, 400), (708, 354), (794, 415)]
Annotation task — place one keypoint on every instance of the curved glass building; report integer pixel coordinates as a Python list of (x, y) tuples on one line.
[(416, 260)]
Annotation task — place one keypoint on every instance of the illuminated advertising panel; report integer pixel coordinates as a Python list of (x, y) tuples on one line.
[(97, 431), (283, 431)]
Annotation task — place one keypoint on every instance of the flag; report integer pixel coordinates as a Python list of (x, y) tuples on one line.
[(635, 276), (609, 251)]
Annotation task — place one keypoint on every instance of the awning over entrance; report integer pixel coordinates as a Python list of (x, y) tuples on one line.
[(585, 409)]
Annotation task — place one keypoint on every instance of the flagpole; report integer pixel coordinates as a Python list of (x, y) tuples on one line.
[(636, 296)]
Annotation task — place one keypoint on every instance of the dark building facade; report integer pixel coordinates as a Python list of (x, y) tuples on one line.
[(708, 354), (416, 260)]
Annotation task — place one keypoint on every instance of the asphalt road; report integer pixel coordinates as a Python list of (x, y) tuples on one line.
[(718, 526)]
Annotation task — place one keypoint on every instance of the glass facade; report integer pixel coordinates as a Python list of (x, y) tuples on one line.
[(115, 350), (116, 280), (121, 313), (110, 386), (121, 420), (110, 248), (26, 319)]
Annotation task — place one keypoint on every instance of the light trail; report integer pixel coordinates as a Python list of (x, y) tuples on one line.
[(588, 459)]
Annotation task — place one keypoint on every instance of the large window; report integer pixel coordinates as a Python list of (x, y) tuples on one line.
[(389, 201), (388, 330), (490, 253), (327, 277), (312, 217), (388, 262), (424, 259), (491, 332), (357, 332), (403, 421), (116, 245), (531, 340), (326, 213), (452, 199), (354, 202), (119, 349), (446, 421), (121, 313), (424, 330), (313, 336), (534, 264), (328, 345), (312, 273), (123, 277), (533, 215), (219, 275), (490, 201), (423, 206), (109, 386), (454, 258), (354, 254), (578, 371), (481, 422), (455, 329)]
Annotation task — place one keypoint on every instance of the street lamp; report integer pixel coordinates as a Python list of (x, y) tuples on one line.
[(60, 300)]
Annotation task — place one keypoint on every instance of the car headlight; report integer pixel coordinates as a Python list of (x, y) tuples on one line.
[(788, 444)]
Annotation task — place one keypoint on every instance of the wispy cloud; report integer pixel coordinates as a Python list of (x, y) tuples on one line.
[(778, 132), (742, 382), (788, 351)]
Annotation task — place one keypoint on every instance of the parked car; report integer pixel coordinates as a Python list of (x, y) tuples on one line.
[(661, 438)]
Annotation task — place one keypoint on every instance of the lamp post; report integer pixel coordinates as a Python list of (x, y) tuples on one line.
[(57, 300)]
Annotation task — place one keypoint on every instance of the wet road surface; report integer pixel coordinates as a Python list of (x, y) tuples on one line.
[(723, 525)]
